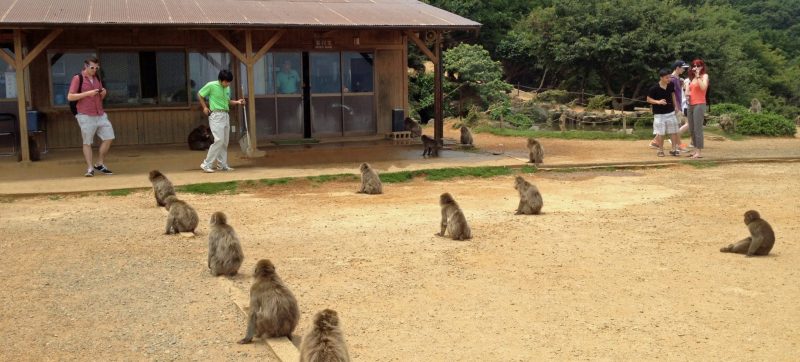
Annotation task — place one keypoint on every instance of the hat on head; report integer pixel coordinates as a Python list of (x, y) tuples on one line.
[(680, 63)]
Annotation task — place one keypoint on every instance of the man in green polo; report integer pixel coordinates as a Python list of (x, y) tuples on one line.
[(219, 98)]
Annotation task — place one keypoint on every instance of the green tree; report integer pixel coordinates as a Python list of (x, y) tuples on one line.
[(472, 72)]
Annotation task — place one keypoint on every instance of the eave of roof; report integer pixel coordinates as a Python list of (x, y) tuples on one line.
[(398, 14)]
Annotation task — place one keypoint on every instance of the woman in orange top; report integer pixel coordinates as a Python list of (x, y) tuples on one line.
[(697, 104)]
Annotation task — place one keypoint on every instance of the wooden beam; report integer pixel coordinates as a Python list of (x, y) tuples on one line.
[(8, 57), (22, 116), (438, 99), (251, 96), (40, 47), (227, 44), (421, 45), (266, 47)]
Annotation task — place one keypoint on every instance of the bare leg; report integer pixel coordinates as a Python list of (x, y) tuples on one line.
[(740, 247), (87, 155), (104, 146), (251, 329)]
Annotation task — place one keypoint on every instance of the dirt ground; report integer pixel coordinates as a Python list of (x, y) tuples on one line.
[(621, 265)]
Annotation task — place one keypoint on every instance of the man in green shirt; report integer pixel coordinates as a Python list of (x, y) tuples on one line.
[(287, 79), (219, 98)]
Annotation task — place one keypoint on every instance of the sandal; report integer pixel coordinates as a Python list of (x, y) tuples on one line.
[(660, 154)]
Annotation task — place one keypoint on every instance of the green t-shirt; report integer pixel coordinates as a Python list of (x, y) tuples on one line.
[(287, 81), (218, 96)]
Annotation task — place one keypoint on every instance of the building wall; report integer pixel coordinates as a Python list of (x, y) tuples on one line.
[(170, 125)]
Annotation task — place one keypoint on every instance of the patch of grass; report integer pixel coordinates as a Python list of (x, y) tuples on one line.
[(448, 173), (336, 177), (210, 188), (275, 181), (639, 134), (396, 177), (55, 197), (528, 169), (701, 164), (6, 200), (120, 192)]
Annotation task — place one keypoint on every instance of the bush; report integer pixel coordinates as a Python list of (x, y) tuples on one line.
[(642, 122), (473, 115), (598, 102), (554, 95), (519, 120), (766, 124), (727, 108)]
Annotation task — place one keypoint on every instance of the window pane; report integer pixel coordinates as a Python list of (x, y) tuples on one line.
[(357, 71), (205, 67), (172, 78), (325, 73), (358, 115), (262, 75), (8, 80), (288, 77), (120, 76), (62, 67)]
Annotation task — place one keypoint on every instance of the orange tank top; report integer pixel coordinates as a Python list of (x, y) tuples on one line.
[(697, 95)]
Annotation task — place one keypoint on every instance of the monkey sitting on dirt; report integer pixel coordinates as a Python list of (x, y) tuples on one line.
[(325, 341), (761, 238), (466, 136), (200, 139), (182, 218), (370, 181), (412, 125), (162, 187), (530, 200), (535, 152), (453, 219), (430, 146), (224, 250), (273, 308)]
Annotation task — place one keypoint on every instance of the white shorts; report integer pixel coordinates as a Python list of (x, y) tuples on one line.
[(665, 124), (91, 125)]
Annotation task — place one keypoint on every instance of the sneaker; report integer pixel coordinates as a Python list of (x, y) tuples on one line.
[(89, 173), (675, 153), (206, 168), (225, 168), (683, 148), (102, 168), (653, 145)]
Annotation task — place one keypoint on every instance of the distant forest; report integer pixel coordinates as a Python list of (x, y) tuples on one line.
[(615, 47)]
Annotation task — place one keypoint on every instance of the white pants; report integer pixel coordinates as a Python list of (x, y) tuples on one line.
[(220, 125)]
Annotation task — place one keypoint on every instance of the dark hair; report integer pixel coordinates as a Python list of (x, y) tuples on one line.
[(664, 71), (698, 63), (225, 75), (91, 59)]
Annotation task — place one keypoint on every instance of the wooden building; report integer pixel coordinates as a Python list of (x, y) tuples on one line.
[(309, 69)]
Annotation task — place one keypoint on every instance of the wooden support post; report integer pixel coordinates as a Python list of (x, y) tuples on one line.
[(251, 97), (249, 59), (20, 61), (22, 115), (438, 100)]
